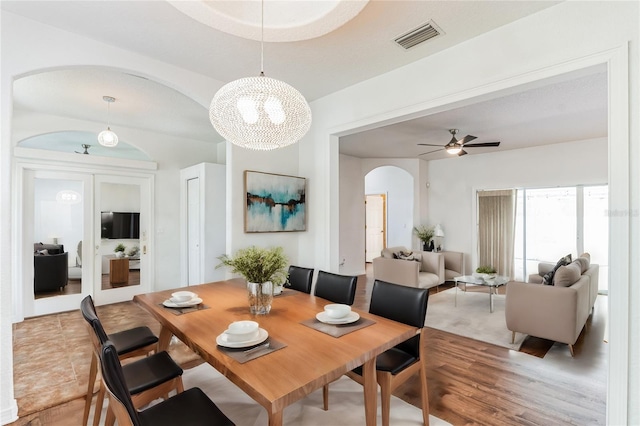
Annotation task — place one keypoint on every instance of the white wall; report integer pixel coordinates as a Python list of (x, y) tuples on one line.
[(559, 39), (54, 219), (352, 213), (283, 161), (398, 185)]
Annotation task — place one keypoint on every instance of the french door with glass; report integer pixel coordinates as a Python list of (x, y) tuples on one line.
[(63, 252)]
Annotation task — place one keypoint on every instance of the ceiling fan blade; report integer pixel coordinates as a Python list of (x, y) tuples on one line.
[(428, 144), (466, 139), (425, 153), (483, 144), (462, 152)]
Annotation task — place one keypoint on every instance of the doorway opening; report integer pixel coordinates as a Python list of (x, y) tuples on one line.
[(375, 225)]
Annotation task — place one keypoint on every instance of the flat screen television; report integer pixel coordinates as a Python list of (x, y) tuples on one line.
[(120, 225)]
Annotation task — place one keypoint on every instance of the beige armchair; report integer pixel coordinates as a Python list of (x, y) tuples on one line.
[(453, 264), (426, 273)]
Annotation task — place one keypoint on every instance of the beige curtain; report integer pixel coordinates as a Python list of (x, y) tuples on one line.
[(496, 229)]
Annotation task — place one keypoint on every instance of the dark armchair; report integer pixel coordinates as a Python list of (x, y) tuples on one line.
[(50, 272)]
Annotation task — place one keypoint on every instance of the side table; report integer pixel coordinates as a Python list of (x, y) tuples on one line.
[(119, 271)]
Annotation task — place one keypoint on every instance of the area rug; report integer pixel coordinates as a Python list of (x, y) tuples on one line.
[(471, 317), (346, 403)]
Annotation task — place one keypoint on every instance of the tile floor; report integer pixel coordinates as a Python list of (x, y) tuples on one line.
[(52, 353)]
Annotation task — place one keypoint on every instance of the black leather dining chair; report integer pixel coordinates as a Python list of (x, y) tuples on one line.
[(300, 278), (336, 288), (191, 407), (407, 305), (147, 379)]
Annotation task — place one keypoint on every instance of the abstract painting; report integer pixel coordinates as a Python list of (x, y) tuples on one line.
[(275, 203)]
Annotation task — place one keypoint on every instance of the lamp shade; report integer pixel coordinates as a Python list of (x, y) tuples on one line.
[(108, 138), (438, 232), (260, 113)]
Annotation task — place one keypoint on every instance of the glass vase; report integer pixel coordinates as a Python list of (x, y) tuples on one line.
[(260, 297)]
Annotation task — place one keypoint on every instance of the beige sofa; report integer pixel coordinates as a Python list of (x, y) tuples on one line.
[(555, 312), (427, 272)]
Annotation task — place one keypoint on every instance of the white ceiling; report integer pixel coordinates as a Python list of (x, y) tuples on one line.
[(360, 49), (572, 109)]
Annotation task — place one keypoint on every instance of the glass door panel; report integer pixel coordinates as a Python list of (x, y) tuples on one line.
[(550, 225), (596, 231), (122, 212), (55, 278)]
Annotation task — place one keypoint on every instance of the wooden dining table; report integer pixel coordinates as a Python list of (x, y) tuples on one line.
[(277, 379)]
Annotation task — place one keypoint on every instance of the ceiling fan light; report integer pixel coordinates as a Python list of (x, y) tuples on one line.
[(453, 148), (108, 138), (260, 113)]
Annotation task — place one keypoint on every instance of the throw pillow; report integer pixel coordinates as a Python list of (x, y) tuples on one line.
[(587, 255), (567, 275), (584, 264), (408, 255), (547, 278)]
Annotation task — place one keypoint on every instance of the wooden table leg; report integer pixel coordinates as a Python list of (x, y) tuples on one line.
[(275, 419), (164, 339), (370, 392)]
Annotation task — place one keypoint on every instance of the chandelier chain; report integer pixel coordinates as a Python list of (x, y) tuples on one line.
[(262, 39)]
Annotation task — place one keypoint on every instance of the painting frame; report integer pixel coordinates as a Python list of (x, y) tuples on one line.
[(274, 202)]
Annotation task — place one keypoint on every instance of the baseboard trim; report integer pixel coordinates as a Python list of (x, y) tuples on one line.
[(9, 414)]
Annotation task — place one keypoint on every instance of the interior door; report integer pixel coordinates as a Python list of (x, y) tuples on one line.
[(375, 225), (57, 212), (123, 218), (193, 231)]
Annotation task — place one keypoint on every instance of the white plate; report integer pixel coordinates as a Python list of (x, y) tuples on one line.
[(193, 302), (262, 336), (323, 317)]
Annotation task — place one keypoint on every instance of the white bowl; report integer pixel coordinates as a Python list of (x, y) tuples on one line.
[(182, 296), (337, 310), (241, 331)]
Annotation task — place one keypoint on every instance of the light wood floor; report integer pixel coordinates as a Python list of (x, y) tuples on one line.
[(475, 383)]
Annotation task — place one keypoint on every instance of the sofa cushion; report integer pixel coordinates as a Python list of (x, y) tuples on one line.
[(567, 275), (584, 264), (547, 278)]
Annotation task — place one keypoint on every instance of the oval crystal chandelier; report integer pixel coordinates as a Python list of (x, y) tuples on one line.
[(107, 137), (260, 113)]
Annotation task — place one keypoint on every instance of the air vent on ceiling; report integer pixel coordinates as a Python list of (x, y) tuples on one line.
[(418, 35)]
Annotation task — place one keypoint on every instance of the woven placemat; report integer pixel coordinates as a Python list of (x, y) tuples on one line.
[(337, 330), (243, 355), (186, 310)]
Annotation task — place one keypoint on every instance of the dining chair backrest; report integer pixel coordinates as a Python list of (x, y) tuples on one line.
[(404, 304), (114, 379), (336, 288), (300, 278), (90, 315)]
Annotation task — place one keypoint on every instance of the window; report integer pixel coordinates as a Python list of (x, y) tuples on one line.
[(552, 222)]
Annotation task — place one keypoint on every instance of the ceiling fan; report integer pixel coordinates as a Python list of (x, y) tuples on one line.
[(86, 149), (455, 146)]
